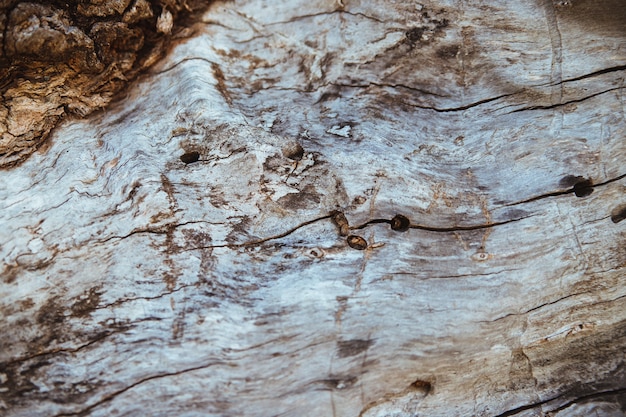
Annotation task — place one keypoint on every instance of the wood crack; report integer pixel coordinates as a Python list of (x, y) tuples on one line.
[(113, 395), (584, 76), (534, 308), (596, 73), (618, 391), (97, 339), (260, 241), (158, 230), (565, 103), (442, 229), (182, 61), (565, 192), (129, 300), (329, 13), (466, 106), (385, 85), (599, 394), (165, 229), (436, 109)]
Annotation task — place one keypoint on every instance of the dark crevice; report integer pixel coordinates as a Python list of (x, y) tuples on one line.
[(465, 228), (154, 297), (618, 391), (260, 241), (518, 410), (194, 58), (437, 109), (441, 229), (398, 223), (384, 85), (554, 106), (329, 13), (582, 189), (157, 230), (465, 107), (474, 275), (582, 77), (112, 395), (101, 336), (554, 302), (596, 73), (587, 397), (535, 308)]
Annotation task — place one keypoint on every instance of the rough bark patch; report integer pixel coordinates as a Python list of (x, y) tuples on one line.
[(70, 58)]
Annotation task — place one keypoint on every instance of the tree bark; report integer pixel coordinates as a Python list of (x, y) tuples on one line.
[(347, 208)]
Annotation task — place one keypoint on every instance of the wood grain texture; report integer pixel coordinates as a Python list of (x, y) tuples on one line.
[(180, 253)]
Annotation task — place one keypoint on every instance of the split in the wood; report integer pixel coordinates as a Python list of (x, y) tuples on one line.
[(580, 187), (398, 223), (581, 398), (557, 105), (401, 223)]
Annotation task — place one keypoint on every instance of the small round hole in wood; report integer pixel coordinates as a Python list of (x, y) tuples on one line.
[(357, 242), (583, 188), (618, 214), (400, 223), (190, 157)]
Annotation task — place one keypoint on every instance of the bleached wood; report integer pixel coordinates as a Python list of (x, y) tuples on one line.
[(134, 284)]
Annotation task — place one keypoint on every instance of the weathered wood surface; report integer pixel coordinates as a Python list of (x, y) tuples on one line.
[(136, 284)]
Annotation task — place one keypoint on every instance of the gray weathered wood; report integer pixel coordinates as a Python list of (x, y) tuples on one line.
[(136, 284)]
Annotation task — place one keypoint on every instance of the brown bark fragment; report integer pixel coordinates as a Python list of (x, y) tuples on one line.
[(71, 58)]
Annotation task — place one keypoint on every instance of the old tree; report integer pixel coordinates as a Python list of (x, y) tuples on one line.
[(313, 208)]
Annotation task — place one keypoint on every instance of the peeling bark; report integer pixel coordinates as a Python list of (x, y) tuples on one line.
[(348, 208), (70, 58)]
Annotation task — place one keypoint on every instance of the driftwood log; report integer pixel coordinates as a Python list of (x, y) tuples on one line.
[(333, 208)]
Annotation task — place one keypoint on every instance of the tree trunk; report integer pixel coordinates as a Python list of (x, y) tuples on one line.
[(349, 208)]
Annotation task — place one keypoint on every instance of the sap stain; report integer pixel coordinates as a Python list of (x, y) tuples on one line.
[(308, 197), (430, 28), (50, 314), (196, 238), (422, 386), (87, 303), (520, 371), (606, 17), (339, 383), (448, 52), (347, 348), (221, 82)]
